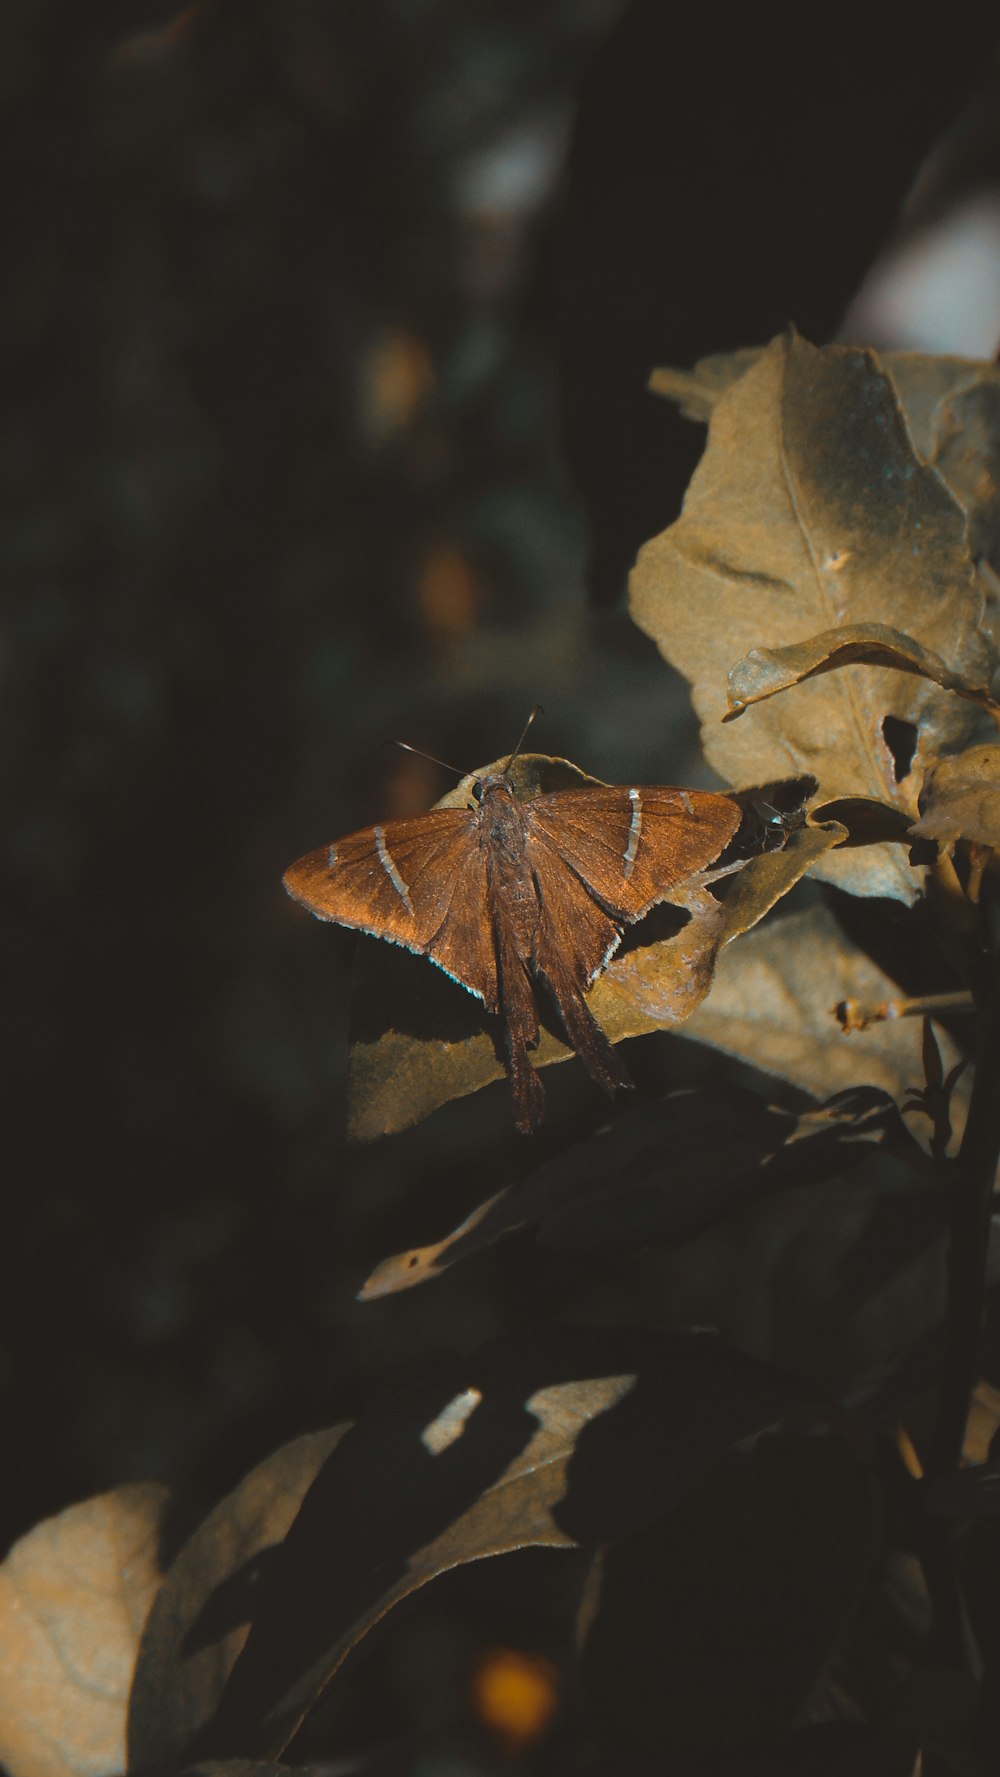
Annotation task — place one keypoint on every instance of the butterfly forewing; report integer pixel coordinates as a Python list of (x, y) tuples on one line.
[(631, 846), (420, 883)]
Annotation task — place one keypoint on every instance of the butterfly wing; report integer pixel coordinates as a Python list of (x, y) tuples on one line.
[(630, 847), (420, 883)]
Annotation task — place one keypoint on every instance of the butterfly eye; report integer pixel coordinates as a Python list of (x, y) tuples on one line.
[(477, 791)]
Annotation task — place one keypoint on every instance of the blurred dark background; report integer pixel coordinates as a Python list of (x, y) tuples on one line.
[(326, 326)]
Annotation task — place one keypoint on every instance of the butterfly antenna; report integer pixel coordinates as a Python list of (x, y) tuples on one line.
[(419, 754), (537, 711)]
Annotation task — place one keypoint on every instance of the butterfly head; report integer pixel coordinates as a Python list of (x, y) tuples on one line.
[(492, 787)]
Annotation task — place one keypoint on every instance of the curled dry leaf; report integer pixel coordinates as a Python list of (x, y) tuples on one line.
[(961, 799), (662, 1173), (203, 1613), (74, 1595), (811, 510), (766, 671), (418, 1041), (560, 1439)]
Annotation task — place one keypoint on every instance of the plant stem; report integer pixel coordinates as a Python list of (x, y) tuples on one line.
[(975, 1174)]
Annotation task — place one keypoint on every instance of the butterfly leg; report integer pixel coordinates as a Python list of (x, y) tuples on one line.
[(599, 1057)]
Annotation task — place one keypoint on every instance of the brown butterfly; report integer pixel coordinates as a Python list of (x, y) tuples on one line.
[(507, 895)]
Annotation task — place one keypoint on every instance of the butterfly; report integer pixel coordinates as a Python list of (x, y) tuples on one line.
[(515, 895)]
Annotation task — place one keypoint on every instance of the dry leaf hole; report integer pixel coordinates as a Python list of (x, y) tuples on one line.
[(901, 740)]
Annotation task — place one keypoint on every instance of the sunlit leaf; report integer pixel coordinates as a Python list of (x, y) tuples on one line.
[(811, 510), (961, 798), (203, 1613), (664, 1172), (559, 1439), (74, 1595)]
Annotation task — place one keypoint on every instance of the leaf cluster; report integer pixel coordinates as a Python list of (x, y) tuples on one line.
[(788, 1532)]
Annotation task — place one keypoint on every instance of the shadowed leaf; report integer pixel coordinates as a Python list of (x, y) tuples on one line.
[(973, 1492), (689, 1654), (766, 671), (810, 509), (249, 1767), (562, 1438), (773, 1004), (961, 798), (959, 432), (203, 1613), (765, 880), (662, 1173), (74, 1595)]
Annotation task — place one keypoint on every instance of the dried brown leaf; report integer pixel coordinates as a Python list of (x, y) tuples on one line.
[(201, 1618), (773, 1005), (961, 798), (810, 509), (74, 1595), (554, 1440), (766, 671)]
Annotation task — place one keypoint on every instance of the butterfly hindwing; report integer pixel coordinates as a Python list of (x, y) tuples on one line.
[(572, 924)]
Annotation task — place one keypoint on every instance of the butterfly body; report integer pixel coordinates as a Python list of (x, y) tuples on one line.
[(512, 894)]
